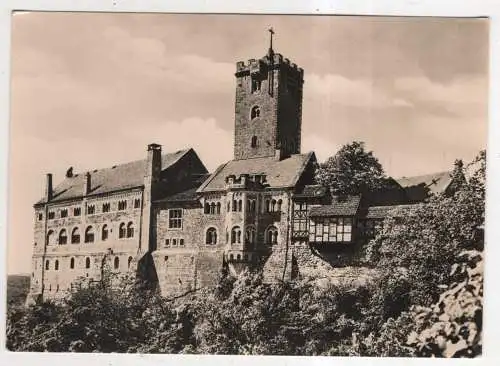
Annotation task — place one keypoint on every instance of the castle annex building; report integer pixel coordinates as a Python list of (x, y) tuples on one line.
[(168, 219)]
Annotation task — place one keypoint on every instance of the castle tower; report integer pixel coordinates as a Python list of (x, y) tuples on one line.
[(268, 112)]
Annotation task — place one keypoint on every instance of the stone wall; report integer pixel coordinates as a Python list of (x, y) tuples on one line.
[(52, 282)]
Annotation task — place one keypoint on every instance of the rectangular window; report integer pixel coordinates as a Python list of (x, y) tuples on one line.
[(64, 213), (175, 218), (122, 205), (332, 230), (51, 215), (77, 211), (181, 242), (174, 242), (167, 242), (40, 217), (137, 203)]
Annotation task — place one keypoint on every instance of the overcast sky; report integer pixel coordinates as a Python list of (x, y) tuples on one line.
[(92, 90)]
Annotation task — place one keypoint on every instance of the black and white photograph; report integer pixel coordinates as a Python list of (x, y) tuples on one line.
[(237, 184)]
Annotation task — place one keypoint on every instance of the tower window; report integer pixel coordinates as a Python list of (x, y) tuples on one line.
[(254, 141), (255, 112), (256, 85)]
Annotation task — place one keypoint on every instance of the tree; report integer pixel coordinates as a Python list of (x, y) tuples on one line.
[(352, 170), (424, 244)]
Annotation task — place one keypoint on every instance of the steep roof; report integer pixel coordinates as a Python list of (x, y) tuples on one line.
[(188, 192), (436, 182), (279, 173), (118, 177), (341, 206)]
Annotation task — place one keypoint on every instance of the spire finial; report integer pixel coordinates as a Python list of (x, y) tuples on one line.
[(271, 32)]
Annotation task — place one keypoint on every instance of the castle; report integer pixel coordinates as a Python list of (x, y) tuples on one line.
[(167, 218)]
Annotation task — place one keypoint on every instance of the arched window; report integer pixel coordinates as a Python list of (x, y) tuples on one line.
[(116, 262), (240, 205), (235, 203), (272, 235), (268, 206), (211, 237), (130, 230), (63, 237), (50, 237), (255, 112), (218, 207), (105, 232), (212, 208), (75, 236), (250, 235), (207, 208), (47, 265), (253, 143), (89, 235), (236, 235), (56, 265), (273, 206), (122, 231), (280, 203), (72, 263), (87, 262), (129, 261)]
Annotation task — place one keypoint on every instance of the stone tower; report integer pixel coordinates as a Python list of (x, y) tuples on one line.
[(268, 112)]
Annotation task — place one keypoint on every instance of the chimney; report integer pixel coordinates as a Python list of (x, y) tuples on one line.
[(48, 187), (278, 154), (87, 184), (153, 168)]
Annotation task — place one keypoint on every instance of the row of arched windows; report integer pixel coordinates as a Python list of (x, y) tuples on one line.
[(125, 231), (271, 235), (116, 263), (273, 205), (212, 208)]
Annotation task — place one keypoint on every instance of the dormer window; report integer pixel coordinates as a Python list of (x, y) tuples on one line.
[(255, 112)]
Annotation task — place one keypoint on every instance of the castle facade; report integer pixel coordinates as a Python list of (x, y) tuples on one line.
[(168, 219)]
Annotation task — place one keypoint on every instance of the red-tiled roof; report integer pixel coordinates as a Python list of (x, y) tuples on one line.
[(118, 177), (279, 173), (341, 206)]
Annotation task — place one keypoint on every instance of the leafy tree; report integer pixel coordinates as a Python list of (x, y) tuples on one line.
[(351, 170), (424, 243)]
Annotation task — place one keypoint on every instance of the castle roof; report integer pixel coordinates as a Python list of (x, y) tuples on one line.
[(283, 173), (340, 206), (435, 182), (119, 177)]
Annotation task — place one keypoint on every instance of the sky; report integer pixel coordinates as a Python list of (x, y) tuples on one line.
[(91, 90)]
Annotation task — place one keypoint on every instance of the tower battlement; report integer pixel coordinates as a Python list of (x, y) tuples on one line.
[(266, 63)]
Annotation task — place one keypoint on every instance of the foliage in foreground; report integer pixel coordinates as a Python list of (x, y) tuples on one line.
[(428, 303)]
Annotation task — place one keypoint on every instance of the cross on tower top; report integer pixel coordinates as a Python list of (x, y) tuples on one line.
[(271, 32)]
